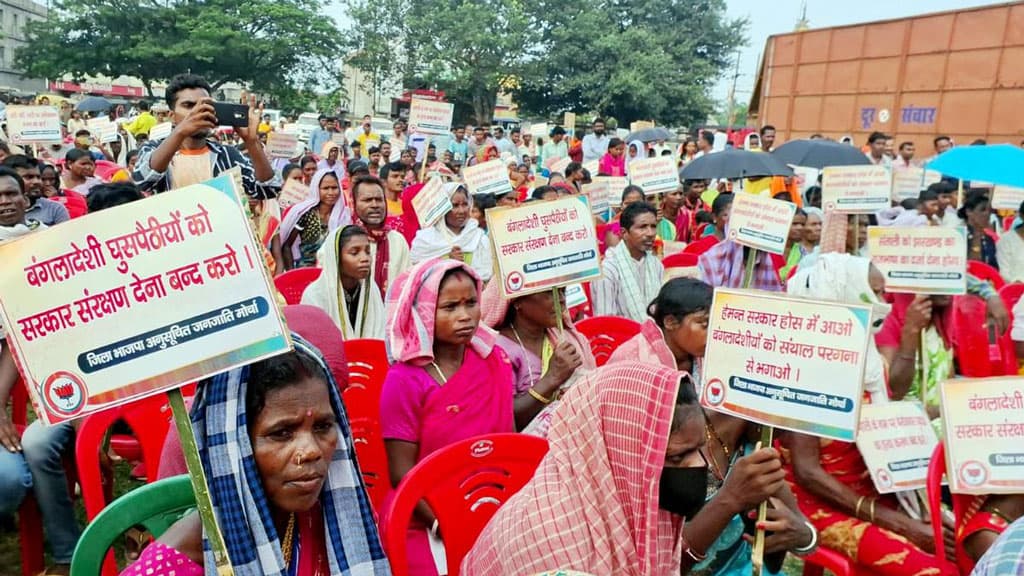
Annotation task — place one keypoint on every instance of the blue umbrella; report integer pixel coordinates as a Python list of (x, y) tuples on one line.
[(93, 104), (998, 164)]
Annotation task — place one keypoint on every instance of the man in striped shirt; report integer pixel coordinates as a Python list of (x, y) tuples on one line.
[(188, 156)]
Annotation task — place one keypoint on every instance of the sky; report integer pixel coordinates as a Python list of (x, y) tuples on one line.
[(780, 16)]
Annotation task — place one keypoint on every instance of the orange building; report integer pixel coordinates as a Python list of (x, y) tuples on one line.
[(958, 73)]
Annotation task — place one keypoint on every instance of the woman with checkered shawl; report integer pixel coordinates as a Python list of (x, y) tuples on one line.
[(280, 464)]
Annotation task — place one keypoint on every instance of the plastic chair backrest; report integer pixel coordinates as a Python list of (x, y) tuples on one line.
[(936, 470), (680, 260), (149, 420), (1011, 293), (19, 403), (464, 484), (155, 506), (700, 246), (367, 367), (1008, 222), (606, 333), (293, 283), (972, 343), (983, 271)]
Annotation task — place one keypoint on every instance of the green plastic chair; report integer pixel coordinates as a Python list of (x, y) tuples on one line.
[(155, 506)]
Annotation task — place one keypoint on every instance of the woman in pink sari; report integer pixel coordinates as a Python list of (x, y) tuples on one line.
[(448, 380)]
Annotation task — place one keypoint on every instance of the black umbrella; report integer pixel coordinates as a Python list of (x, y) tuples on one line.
[(733, 164), (650, 134), (93, 104), (819, 154)]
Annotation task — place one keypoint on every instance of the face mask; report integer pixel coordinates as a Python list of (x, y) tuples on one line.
[(682, 491)]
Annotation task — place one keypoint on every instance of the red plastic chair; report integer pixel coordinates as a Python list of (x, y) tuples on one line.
[(464, 484), (1011, 293), (825, 559), (680, 260), (977, 356), (606, 333), (1008, 222), (983, 271), (936, 471), (30, 520), (700, 246), (149, 420), (293, 283), (367, 366)]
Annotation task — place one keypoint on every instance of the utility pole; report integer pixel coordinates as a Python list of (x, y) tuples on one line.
[(731, 103)]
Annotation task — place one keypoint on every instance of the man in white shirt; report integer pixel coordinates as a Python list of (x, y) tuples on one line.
[(595, 144), (904, 158), (877, 153), (505, 146), (398, 142), (632, 273)]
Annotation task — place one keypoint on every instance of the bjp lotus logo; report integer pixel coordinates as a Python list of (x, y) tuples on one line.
[(973, 473), (64, 393), (714, 392), (513, 282)]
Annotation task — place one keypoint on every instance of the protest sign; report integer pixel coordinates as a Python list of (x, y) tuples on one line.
[(539, 130), (292, 193), (33, 124), (290, 128), (102, 129), (431, 202), (569, 123), (593, 167), (1007, 198), (856, 189), (160, 131), (543, 245), (490, 177), (896, 441), (920, 259), (559, 165), (983, 426), (761, 223), (654, 175), (339, 139), (908, 182), (787, 362), (575, 296), (430, 116), (599, 196), (805, 177), (640, 125), (616, 184), (138, 299), (282, 144)]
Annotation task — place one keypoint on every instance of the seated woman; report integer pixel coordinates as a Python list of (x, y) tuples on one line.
[(345, 259), (830, 478), (457, 235), (624, 471), (675, 337), (794, 251), (981, 239), (448, 380), (307, 224), (280, 463), (544, 359), (720, 210), (79, 171), (899, 342)]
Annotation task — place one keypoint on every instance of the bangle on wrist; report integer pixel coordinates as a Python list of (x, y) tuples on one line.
[(697, 557), (871, 510), (433, 528), (856, 509), (539, 397), (810, 548)]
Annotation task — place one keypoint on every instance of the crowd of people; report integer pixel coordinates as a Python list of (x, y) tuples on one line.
[(638, 480)]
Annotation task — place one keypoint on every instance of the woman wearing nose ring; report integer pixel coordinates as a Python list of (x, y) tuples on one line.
[(344, 289), (448, 381), (280, 462), (306, 224)]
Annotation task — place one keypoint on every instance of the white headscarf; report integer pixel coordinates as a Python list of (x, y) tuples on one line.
[(438, 240), (838, 277), (340, 214), (641, 152), (326, 294)]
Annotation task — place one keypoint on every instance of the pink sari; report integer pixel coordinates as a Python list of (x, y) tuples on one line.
[(475, 400)]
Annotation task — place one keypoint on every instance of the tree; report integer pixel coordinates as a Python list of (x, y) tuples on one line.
[(466, 48), (265, 44), (739, 115), (632, 59)]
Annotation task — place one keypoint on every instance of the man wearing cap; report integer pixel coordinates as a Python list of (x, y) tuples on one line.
[(556, 149)]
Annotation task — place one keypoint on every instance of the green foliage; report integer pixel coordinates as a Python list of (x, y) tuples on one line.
[(739, 114), (269, 45), (468, 48), (632, 59)]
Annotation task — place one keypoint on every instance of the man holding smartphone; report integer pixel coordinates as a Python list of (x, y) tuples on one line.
[(189, 155)]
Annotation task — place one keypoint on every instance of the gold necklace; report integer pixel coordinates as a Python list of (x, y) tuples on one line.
[(717, 468), (523, 348), (444, 380), (286, 543)]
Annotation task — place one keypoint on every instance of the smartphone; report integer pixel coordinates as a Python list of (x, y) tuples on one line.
[(234, 115)]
